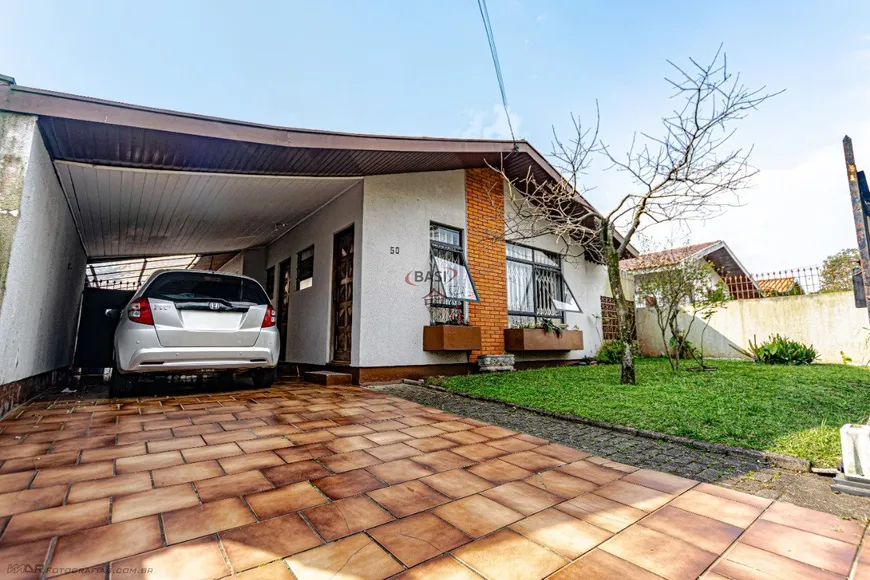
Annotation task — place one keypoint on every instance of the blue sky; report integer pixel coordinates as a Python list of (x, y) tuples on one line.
[(423, 68)]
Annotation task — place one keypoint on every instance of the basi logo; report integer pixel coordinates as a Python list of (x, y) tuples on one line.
[(415, 277)]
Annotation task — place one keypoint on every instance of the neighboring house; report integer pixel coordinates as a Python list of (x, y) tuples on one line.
[(362, 241), (727, 267), (788, 286)]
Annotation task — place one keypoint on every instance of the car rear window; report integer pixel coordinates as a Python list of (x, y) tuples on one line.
[(189, 286)]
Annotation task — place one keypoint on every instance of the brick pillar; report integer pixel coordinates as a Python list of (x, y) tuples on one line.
[(484, 206)]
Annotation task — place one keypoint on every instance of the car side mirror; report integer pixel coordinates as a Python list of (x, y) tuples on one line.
[(113, 313)]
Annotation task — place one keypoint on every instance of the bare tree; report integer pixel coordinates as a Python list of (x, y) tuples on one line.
[(690, 172)]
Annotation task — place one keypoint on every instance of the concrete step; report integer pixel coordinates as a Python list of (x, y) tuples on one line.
[(328, 378)]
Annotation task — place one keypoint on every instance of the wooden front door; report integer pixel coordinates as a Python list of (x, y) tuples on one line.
[(283, 305), (342, 295)]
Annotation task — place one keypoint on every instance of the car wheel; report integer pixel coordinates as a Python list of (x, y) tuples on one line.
[(264, 378), (122, 385)]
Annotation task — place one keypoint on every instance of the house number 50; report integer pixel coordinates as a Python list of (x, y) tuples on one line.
[(394, 249)]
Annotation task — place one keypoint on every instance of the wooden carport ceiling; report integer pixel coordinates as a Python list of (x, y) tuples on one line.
[(123, 212)]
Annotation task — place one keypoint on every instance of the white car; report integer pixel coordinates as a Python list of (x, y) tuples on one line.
[(195, 322)]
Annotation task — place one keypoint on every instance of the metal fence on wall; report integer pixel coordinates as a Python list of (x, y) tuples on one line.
[(793, 282)]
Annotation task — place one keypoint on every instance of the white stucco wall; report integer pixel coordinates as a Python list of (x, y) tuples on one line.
[(310, 322), (830, 322), (233, 266), (40, 309), (397, 211)]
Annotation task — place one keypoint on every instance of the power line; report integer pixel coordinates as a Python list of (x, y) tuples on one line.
[(490, 37)]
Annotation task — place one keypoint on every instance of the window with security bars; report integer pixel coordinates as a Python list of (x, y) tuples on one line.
[(305, 268), (535, 287), (451, 285)]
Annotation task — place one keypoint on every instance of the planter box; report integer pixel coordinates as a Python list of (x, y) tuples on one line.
[(532, 339), (451, 337)]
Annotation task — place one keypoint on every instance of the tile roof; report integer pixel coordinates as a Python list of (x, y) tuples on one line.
[(778, 285), (664, 258)]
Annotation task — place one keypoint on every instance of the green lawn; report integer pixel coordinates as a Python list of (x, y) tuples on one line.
[(793, 410)]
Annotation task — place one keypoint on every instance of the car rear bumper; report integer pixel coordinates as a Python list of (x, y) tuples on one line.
[(193, 359)]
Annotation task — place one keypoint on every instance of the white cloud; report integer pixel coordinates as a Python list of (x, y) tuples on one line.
[(491, 124)]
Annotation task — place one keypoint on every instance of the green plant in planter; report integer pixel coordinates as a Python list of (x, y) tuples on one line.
[(548, 325), (781, 350)]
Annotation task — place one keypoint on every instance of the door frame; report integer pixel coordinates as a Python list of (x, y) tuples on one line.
[(284, 313), (332, 295)]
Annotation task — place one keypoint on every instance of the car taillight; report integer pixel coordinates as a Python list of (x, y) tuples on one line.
[(140, 311), (270, 319)]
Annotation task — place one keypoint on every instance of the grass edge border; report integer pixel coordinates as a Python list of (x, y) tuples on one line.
[(774, 459)]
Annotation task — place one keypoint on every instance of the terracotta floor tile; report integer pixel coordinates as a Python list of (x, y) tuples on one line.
[(303, 452), (191, 430), (416, 421), (148, 462), (744, 561), (315, 425), (345, 517), (430, 444), (219, 437), (213, 418), (725, 493), (200, 558), (399, 471), (250, 461), (295, 472), (83, 443), (708, 534), (599, 565), (28, 500), (393, 452), (476, 515), (165, 424), (522, 497), (506, 554), (819, 551), (144, 436), (464, 437), (386, 426), (175, 444), (193, 522), (315, 437), (264, 444), (636, 496), (187, 472), (407, 498), (418, 538), (561, 533), (23, 450), (659, 553), (591, 472), (439, 461), (290, 498), (348, 444), (57, 521), (513, 445), (561, 484), (39, 462), (109, 453), (602, 512), (452, 426), (624, 468), (387, 437), (266, 541), (195, 454), (498, 471), (71, 474), (31, 554), (106, 543), (819, 523), (153, 501), (15, 481), (661, 481), (349, 461), (479, 451), (731, 512), (274, 571), (422, 431), (456, 483), (109, 486), (348, 483), (356, 557), (443, 568), (534, 462), (351, 430), (494, 432), (231, 485), (562, 452)]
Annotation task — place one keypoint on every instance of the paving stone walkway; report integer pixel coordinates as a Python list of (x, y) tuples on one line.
[(732, 471), (307, 482)]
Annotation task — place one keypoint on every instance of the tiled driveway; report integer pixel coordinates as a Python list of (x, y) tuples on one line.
[(347, 483)]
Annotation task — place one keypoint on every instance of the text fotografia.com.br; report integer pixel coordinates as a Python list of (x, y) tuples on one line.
[(39, 569)]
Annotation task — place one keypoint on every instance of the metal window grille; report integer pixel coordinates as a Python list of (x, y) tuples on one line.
[(534, 282), (305, 268), (445, 244)]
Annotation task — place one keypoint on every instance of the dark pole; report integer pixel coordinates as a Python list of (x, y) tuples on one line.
[(857, 212)]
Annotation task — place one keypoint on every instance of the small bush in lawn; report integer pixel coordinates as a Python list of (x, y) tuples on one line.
[(780, 350), (611, 352)]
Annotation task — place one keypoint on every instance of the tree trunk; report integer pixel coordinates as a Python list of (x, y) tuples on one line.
[(625, 315)]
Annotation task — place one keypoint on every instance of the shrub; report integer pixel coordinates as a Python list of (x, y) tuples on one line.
[(610, 352), (783, 351)]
